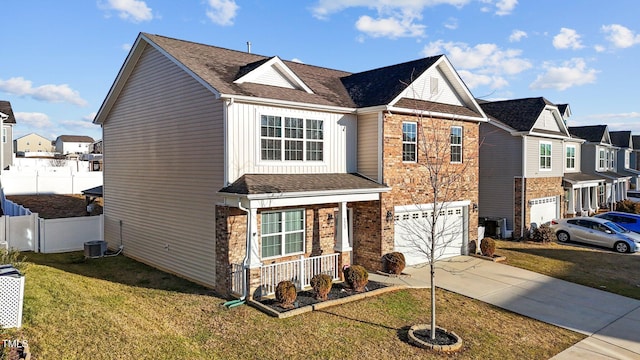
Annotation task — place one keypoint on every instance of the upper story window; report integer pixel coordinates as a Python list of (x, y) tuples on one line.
[(545, 155), (456, 144), (571, 157), (409, 141), (4, 135), (612, 159), (282, 233), (626, 159), (291, 139), (601, 160)]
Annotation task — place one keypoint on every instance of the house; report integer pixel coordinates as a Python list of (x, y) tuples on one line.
[(33, 143), (598, 157), (7, 121), (635, 157), (73, 144), (252, 164), (522, 163), (624, 166)]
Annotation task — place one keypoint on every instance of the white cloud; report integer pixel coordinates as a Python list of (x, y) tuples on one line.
[(570, 73), (78, 124), (90, 116), (517, 35), (222, 12), (132, 10), (296, 60), (389, 27), (482, 64), (505, 7), (620, 36), (126, 47), (599, 48), (49, 93), (567, 39), (33, 119), (451, 24)]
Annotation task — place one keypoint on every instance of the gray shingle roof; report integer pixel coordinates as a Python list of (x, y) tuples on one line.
[(5, 108), (620, 138), (520, 114), (250, 184), (591, 133), (636, 142), (75, 138)]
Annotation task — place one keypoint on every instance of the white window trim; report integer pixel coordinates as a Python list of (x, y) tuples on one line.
[(304, 139), (451, 145), (410, 142), (283, 233), (627, 157), (567, 158), (601, 159), (550, 156)]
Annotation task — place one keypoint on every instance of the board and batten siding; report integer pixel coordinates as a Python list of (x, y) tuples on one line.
[(163, 158), (421, 88), (243, 131), (500, 163), (369, 145), (533, 157)]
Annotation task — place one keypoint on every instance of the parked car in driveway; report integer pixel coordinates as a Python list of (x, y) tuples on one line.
[(626, 220), (633, 195), (596, 231)]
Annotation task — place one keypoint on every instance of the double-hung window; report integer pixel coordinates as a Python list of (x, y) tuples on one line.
[(545, 155), (409, 141), (282, 233), (291, 139), (601, 163), (571, 157), (456, 144)]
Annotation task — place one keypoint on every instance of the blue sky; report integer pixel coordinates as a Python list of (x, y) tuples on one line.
[(59, 58)]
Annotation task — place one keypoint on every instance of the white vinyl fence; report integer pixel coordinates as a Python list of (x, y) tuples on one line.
[(30, 233), (51, 181)]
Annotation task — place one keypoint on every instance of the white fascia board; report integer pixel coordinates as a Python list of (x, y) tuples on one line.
[(280, 65), (289, 104), (544, 135), (3, 116), (436, 114), (429, 206), (261, 201)]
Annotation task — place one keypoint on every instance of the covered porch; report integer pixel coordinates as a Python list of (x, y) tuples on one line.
[(582, 194), (295, 225), (616, 187)]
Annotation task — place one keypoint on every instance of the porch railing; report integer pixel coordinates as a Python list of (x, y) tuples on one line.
[(298, 271), (237, 279)]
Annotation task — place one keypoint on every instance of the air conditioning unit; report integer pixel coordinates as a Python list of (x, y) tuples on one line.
[(95, 249)]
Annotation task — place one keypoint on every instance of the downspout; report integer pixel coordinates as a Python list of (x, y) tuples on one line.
[(522, 188), (3, 117), (245, 262)]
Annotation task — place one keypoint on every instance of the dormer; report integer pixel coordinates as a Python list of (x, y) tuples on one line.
[(272, 72)]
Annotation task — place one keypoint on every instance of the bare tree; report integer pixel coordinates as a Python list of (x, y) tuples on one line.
[(447, 173)]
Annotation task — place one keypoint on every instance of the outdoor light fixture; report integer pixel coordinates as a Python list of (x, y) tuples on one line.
[(329, 217), (475, 207), (389, 216)]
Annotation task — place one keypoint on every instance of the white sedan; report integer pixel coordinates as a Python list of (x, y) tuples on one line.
[(596, 231)]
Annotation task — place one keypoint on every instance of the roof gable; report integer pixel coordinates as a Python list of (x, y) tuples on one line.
[(532, 115), (5, 108), (272, 72), (621, 139), (635, 139), (592, 133)]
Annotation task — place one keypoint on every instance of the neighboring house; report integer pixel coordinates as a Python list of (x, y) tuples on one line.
[(624, 166), (73, 144), (635, 154), (522, 162), (94, 156), (599, 158), (252, 162), (7, 121), (33, 143)]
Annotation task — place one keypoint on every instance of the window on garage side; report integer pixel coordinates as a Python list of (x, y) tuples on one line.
[(282, 233), (545, 155), (571, 157), (456, 144), (409, 141)]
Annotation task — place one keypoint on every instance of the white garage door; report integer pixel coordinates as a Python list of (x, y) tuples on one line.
[(543, 210), (412, 229)]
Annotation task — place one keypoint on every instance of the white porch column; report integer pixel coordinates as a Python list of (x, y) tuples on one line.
[(594, 193), (587, 202), (253, 260), (572, 202), (342, 237), (580, 206)]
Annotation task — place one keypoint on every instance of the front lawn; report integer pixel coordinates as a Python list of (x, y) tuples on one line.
[(116, 308), (598, 268)]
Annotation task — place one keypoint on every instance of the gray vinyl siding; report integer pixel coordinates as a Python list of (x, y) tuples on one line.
[(368, 146), (533, 158), (500, 163), (7, 148), (589, 158), (163, 151)]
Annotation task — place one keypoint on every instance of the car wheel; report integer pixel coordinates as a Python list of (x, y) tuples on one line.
[(563, 236), (621, 247)]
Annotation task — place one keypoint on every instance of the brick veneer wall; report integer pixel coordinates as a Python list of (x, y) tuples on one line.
[(410, 181), (534, 188)]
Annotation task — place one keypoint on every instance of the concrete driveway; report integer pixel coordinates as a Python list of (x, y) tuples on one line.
[(611, 322)]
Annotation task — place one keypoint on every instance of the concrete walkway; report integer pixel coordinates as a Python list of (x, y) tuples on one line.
[(611, 322)]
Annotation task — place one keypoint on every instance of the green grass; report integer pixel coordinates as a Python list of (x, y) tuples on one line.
[(116, 308), (598, 268)]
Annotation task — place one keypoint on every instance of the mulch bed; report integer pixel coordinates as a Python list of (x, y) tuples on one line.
[(306, 298)]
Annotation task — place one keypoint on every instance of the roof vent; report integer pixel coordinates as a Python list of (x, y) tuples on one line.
[(249, 47)]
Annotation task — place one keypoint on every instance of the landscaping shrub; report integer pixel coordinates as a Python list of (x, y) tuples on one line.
[(12, 257), (543, 234), (488, 246), (321, 284), (393, 263), (286, 294), (628, 206), (356, 277), (473, 247)]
